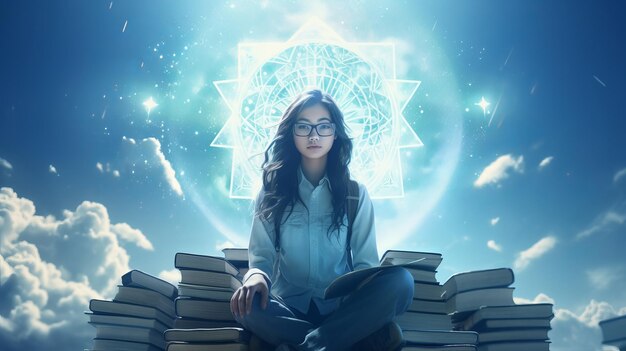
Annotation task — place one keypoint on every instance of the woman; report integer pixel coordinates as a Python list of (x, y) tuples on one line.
[(305, 184)]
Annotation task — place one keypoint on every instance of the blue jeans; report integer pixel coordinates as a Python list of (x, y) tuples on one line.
[(361, 313)]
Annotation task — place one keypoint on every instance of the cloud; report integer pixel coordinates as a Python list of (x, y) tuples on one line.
[(619, 175), (5, 164), (172, 276), (577, 332), (147, 154), (52, 169), (538, 249), (51, 268), (494, 221), (545, 162), (106, 168), (498, 170), (492, 245), (603, 222), (605, 277)]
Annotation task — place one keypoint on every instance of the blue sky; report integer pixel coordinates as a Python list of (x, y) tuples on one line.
[(93, 185)]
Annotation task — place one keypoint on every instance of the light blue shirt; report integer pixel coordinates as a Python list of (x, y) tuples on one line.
[(310, 258)]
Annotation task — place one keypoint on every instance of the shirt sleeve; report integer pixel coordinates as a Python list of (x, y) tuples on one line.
[(363, 242), (261, 250)]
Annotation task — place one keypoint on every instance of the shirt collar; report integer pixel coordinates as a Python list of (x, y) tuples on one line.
[(302, 179)]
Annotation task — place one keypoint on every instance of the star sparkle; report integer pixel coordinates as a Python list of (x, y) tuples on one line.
[(483, 104), (150, 104)]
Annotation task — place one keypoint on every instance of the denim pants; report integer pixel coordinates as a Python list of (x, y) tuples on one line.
[(361, 313)]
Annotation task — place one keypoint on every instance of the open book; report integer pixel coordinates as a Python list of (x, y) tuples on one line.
[(351, 281)]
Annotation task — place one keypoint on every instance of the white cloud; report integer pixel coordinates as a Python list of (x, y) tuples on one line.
[(172, 276), (498, 170), (495, 221), (106, 168), (545, 162), (52, 169), (223, 245), (5, 164), (494, 246), (603, 222), (147, 153), (605, 277), (573, 331), (619, 175), (51, 268), (538, 249), (125, 232)]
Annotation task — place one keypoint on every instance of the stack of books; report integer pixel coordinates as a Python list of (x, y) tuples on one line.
[(482, 301), (206, 286), (204, 320), (426, 325), (211, 339), (138, 315), (238, 257), (614, 332)]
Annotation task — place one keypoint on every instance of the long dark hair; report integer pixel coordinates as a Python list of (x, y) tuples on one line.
[(280, 180)]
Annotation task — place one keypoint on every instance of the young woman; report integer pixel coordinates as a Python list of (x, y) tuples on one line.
[(305, 184)]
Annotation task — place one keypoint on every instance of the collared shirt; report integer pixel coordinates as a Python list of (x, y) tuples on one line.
[(310, 257)]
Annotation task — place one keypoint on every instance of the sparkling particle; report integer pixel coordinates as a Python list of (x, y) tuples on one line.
[(125, 24)]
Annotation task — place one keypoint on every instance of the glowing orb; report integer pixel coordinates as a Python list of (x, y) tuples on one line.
[(359, 76)]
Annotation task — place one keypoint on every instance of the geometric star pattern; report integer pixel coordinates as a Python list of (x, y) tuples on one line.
[(360, 77)]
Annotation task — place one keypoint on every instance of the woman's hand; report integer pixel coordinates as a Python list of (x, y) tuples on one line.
[(241, 302)]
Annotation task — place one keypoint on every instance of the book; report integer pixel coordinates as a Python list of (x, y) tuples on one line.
[(201, 262), (139, 279), (431, 292), (145, 297), (619, 343), (205, 292), (203, 335), (427, 260), (490, 324), (209, 278), (440, 337), (97, 319), (488, 278), (423, 321), (127, 309), (513, 335), (456, 347), (613, 328), (133, 334), (194, 323), (516, 346), (107, 344), (203, 309), (419, 305), (472, 300), (183, 346), (236, 254), (421, 275), (351, 281), (519, 312)]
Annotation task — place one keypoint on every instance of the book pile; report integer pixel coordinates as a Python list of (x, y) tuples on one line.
[(482, 301), (426, 325), (138, 315), (238, 257), (204, 320), (614, 332)]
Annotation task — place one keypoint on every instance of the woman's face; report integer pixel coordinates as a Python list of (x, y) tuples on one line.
[(306, 136)]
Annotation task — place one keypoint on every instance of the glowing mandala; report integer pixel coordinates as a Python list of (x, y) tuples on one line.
[(359, 76)]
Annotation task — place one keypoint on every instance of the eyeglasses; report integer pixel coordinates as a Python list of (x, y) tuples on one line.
[(322, 129)]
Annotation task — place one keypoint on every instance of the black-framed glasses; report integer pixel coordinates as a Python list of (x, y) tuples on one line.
[(322, 129)]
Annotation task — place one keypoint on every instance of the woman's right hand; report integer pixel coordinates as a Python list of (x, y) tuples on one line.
[(241, 302)]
